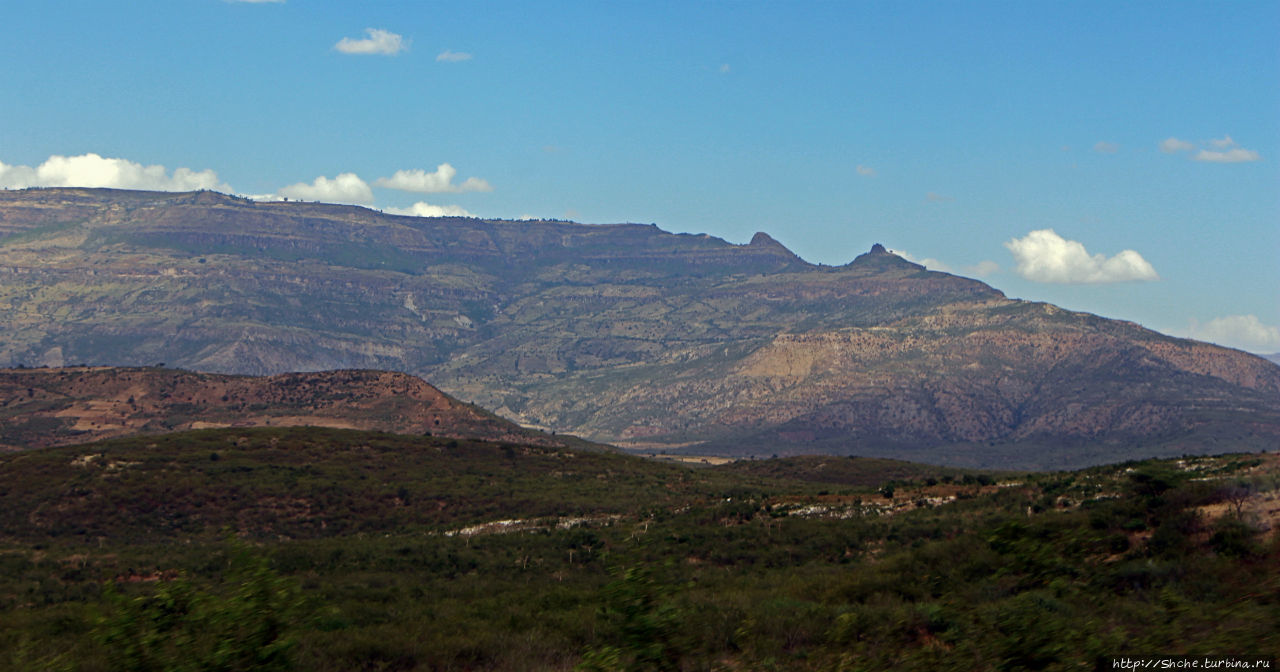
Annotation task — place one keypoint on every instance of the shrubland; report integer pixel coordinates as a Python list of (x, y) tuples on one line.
[(324, 550)]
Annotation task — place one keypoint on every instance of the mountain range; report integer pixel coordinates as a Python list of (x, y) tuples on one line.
[(624, 334)]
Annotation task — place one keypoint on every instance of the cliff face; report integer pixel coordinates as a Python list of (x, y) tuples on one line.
[(620, 333)]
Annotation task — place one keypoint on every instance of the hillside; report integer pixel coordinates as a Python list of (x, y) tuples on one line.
[(624, 333), (48, 407), (310, 482), (347, 550)]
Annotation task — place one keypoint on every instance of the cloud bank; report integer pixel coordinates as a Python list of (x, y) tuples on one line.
[(92, 170), (980, 269), (438, 182), (345, 188), (1245, 332), (1224, 150), (928, 262), (423, 209), (1233, 155), (379, 41), (1044, 256)]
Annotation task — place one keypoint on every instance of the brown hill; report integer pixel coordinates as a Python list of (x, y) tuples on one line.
[(623, 333), (48, 407)]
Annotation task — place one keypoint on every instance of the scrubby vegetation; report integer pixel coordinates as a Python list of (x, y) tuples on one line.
[(332, 550)]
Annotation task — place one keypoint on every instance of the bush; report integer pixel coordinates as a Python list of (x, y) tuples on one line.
[(641, 626), (179, 628), (1235, 538)]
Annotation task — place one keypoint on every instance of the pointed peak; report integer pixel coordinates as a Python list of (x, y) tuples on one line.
[(764, 243), (762, 238), (882, 257), (207, 197)]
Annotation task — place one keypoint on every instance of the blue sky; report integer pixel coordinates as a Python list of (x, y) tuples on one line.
[(1117, 158)]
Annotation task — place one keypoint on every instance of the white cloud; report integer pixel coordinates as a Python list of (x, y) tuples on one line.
[(984, 268), (345, 188), (928, 262), (1246, 332), (1226, 151), (980, 269), (1172, 145), (18, 177), (724, 68), (1104, 147), (422, 209), (450, 56), (1044, 256), (440, 181), (866, 171), (378, 42), (92, 170), (1234, 155)]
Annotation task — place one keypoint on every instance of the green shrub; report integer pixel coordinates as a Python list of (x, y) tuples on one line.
[(641, 626), (177, 627), (1233, 537)]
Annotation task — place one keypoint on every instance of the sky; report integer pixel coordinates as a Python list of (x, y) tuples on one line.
[(1117, 158)]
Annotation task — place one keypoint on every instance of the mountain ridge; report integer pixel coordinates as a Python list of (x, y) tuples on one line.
[(623, 333)]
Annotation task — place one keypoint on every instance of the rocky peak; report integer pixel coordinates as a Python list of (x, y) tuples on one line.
[(880, 257), (762, 239)]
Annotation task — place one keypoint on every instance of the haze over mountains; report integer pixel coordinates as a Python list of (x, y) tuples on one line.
[(623, 333)]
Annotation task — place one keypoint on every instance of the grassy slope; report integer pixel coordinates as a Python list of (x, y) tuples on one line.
[(773, 565)]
